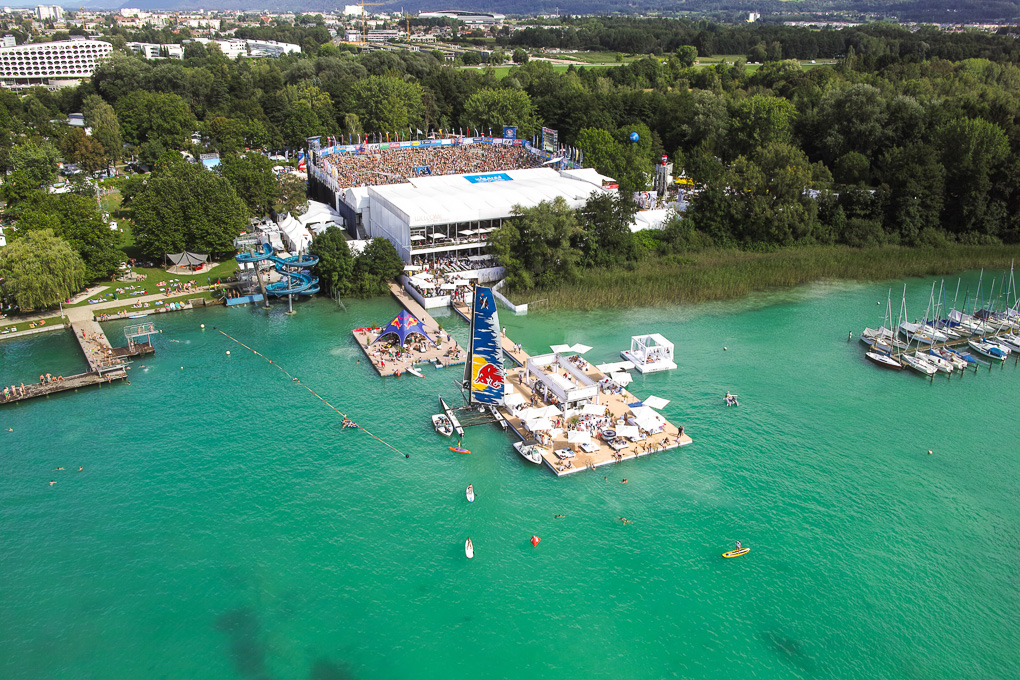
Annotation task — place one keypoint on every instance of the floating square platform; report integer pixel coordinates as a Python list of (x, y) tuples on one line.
[(650, 353)]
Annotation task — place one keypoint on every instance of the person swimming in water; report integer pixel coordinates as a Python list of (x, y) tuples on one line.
[(557, 516)]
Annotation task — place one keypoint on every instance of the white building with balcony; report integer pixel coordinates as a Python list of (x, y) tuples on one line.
[(53, 64)]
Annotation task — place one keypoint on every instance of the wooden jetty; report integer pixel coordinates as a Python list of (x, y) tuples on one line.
[(106, 363)]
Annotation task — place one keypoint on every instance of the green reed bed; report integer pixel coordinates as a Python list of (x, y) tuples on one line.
[(727, 274)]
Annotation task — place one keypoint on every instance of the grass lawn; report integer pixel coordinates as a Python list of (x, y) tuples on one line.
[(12, 324), (153, 277), (502, 71)]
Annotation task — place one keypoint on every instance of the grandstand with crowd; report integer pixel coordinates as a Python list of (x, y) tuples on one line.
[(438, 199)]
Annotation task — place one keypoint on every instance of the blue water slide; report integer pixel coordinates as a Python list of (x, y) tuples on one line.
[(296, 281)]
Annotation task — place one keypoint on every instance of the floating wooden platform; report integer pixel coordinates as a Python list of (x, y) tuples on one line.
[(618, 405), (71, 382)]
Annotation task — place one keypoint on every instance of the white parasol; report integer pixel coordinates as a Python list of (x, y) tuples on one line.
[(539, 424), (560, 348), (621, 379), (656, 402), (514, 399), (593, 410), (578, 436), (629, 431), (580, 349)]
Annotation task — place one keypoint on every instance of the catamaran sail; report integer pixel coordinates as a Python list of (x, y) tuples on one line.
[(483, 373)]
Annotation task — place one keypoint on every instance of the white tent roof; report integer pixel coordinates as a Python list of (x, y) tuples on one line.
[(578, 436), (444, 199), (650, 219), (593, 410), (622, 379), (627, 431), (590, 175)]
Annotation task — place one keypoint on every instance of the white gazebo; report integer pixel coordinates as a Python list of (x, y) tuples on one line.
[(650, 353), (572, 391)]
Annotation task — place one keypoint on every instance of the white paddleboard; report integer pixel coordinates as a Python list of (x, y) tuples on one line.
[(469, 549), (470, 494)]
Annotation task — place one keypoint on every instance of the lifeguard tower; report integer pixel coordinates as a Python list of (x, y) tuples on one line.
[(650, 353)]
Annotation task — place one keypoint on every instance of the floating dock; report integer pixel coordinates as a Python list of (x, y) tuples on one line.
[(558, 454), (106, 363)]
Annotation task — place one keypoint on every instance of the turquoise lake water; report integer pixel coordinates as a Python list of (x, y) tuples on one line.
[(225, 526)]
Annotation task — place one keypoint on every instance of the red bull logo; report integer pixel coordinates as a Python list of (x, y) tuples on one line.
[(485, 374)]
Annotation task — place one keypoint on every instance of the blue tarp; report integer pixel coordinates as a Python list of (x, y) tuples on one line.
[(402, 326)]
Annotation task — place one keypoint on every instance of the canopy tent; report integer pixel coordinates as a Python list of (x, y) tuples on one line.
[(402, 326), (417, 237), (656, 402), (593, 410), (547, 411), (580, 349), (560, 348), (187, 259), (646, 418), (448, 286)]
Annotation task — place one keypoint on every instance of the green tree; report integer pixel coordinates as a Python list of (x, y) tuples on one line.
[(40, 269), (520, 56), (186, 207), (84, 229), (606, 239), (20, 188), (105, 127), (387, 104), (336, 266), (84, 150), (536, 247), (376, 264), (253, 180), (973, 152), (494, 108), (687, 55), (38, 160), (761, 120), (293, 194), (155, 117)]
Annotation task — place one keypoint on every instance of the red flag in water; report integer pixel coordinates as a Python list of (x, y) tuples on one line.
[(535, 540)]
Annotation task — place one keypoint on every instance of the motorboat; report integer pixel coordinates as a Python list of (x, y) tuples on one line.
[(442, 424), (529, 450), (987, 350), (884, 360), (996, 342)]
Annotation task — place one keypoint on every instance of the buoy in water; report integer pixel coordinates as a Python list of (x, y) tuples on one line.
[(725, 349), (182, 368), (203, 326), (228, 352), (929, 452), (535, 540)]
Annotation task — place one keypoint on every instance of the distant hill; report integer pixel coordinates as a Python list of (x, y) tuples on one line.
[(932, 11)]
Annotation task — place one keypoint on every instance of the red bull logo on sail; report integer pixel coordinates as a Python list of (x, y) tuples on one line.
[(484, 374)]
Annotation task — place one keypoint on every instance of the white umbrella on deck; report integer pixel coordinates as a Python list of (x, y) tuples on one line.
[(578, 437), (547, 412), (412, 268), (448, 286), (621, 379), (560, 348), (656, 402), (628, 431), (580, 349), (539, 424), (514, 399), (417, 237), (593, 410)]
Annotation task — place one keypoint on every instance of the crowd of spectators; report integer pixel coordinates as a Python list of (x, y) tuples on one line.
[(393, 166)]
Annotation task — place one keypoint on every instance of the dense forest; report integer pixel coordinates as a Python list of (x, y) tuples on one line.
[(909, 138)]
